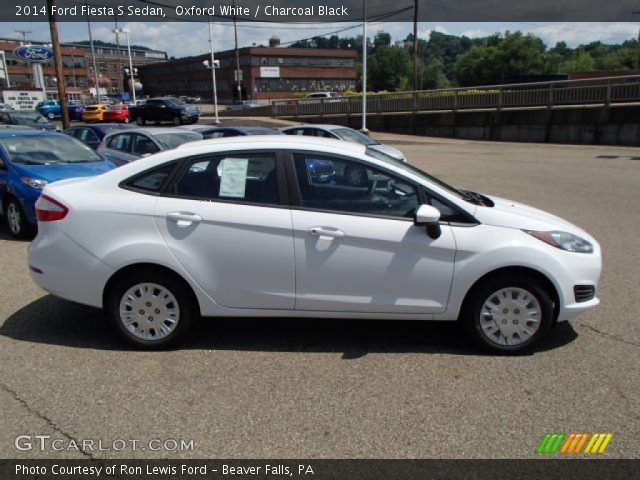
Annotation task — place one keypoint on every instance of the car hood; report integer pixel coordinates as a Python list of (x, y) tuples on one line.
[(387, 150), (60, 171), (510, 214)]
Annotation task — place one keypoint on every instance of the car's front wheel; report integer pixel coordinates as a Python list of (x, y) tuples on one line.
[(16, 219), (140, 121), (51, 116), (150, 309), (177, 121), (508, 313)]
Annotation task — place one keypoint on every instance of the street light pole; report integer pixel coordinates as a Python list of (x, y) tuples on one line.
[(235, 33), (93, 57), (213, 77), (131, 71), (364, 67)]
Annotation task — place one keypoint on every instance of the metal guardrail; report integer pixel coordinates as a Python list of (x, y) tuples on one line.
[(604, 91)]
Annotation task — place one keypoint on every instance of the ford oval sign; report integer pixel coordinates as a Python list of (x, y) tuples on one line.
[(33, 53)]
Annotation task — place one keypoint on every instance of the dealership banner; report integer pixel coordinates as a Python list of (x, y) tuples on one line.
[(316, 469), (322, 10)]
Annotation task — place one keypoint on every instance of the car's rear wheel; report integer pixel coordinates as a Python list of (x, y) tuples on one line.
[(508, 313), (140, 121), (16, 219), (150, 309), (177, 121)]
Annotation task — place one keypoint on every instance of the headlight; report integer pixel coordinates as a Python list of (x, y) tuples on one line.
[(564, 241), (36, 183)]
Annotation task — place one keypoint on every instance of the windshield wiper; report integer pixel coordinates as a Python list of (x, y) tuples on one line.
[(473, 197)]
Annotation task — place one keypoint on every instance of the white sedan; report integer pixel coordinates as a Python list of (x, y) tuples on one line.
[(246, 227)]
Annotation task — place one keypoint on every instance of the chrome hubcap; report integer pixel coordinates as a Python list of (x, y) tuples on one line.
[(510, 316), (13, 218), (149, 311)]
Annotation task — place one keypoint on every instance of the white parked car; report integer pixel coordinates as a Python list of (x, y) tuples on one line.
[(244, 227), (339, 132)]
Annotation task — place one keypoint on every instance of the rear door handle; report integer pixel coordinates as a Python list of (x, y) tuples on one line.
[(184, 219), (325, 232)]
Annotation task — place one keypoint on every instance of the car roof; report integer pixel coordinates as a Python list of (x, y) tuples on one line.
[(22, 111), (153, 131), (289, 142), (319, 126), (105, 126)]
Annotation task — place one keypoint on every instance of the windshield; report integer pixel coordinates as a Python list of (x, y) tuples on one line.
[(28, 118), (46, 149), (173, 140), (175, 101), (354, 136), (421, 173)]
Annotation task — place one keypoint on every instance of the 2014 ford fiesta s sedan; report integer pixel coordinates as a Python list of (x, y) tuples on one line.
[(243, 227)]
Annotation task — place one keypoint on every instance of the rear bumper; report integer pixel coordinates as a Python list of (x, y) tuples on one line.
[(67, 270)]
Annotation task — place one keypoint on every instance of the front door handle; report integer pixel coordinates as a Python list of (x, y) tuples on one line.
[(184, 219), (325, 232)]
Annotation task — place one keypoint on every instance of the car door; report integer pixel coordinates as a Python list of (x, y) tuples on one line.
[(357, 248), (4, 179), (225, 220)]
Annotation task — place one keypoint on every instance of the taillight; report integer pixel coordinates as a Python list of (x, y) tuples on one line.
[(50, 210)]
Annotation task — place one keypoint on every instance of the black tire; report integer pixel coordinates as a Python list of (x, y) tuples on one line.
[(51, 116), (472, 311), (140, 121), (188, 309), (177, 121), (20, 227)]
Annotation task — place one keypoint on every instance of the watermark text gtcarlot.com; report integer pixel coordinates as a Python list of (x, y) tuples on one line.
[(28, 442)]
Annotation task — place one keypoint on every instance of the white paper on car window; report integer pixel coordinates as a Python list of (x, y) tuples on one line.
[(233, 173)]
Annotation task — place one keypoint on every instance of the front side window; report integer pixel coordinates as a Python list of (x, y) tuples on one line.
[(345, 186), (249, 178), (143, 145)]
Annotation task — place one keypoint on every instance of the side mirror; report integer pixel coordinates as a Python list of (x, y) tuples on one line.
[(428, 216)]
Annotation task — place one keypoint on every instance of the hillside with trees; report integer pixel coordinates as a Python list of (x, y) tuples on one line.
[(450, 60)]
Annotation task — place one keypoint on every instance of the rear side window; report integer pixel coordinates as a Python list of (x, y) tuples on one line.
[(151, 180), (247, 178)]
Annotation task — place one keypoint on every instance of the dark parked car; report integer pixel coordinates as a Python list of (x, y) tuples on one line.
[(93, 134), (26, 118), (212, 131), (164, 109)]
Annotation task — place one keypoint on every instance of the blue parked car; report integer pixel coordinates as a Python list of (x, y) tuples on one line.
[(51, 109), (30, 159)]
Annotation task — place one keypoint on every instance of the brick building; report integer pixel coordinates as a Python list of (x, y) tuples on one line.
[(267, 73), (77, 66)]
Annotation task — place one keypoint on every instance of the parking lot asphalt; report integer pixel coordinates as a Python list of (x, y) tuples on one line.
[(296, 388)]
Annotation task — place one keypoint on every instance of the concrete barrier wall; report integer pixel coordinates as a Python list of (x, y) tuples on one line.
[(617, 125)]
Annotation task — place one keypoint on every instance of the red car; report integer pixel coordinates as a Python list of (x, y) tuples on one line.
[(117, 113)]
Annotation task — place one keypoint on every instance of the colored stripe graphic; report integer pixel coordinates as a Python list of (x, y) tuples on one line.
[(572, 443)]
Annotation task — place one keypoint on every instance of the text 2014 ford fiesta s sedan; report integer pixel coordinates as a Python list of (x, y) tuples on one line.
[(242, 227)]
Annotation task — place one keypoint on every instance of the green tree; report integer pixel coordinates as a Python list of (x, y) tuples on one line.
[(389, 69), (580, 61)]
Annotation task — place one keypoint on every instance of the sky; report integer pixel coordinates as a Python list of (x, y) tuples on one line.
[(184, 39)]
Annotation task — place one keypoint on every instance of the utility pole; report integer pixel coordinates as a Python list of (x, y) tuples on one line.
[(235, 32), (213, 77), (415, 44), (55, 43), (364, 67)]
